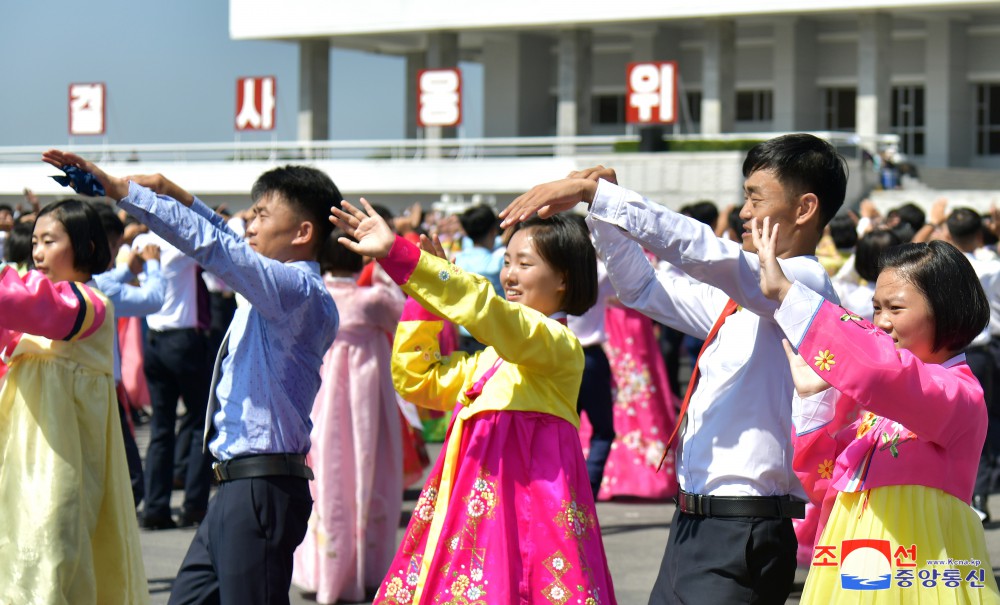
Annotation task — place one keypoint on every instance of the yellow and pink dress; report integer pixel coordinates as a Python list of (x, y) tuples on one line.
[(507, 514), (68, 531), (893, 486)]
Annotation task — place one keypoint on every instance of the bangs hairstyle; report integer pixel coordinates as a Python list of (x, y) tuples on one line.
[(803, 164), (336, 256), (91, 254), (563, 242), (308, 191), (949, 283)]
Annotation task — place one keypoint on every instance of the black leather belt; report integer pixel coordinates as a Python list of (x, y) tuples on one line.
[(773, 507), (262, 465)]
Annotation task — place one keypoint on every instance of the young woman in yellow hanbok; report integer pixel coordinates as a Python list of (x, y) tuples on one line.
[(68, 531)]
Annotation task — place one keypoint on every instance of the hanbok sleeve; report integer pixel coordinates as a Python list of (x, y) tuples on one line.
[(819, 424), (420, 373), (519, 334), (862, 362), (57, 311)]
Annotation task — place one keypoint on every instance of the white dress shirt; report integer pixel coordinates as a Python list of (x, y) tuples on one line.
[(180, 274), (737, 440), (589, 327)]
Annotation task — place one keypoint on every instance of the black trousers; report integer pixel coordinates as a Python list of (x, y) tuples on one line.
[(132, 457), (595, 400), (983, 366), (176, 365), (242, 552), (726, 560)]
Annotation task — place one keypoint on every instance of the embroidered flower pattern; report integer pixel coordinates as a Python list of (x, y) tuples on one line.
[(868, 422), (824, 359), (444, 275), (825, 469)]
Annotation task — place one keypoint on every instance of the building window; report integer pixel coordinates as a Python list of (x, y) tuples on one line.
[(987, 110), (608, 109), (754, 106), (908, 118), (839, 108), (693, 98)]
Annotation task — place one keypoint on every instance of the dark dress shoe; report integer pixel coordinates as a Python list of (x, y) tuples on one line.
[(190, 518), (157, 522)]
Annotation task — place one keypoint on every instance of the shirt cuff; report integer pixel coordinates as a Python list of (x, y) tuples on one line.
[(797, 311), (608, 200), (402, 260), (152, 265)]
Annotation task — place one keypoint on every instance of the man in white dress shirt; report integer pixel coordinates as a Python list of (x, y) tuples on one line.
[(731, 539)]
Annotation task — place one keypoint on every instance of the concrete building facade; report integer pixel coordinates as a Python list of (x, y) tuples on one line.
[(928, 71)]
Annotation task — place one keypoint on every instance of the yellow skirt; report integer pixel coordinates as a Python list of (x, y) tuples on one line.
[(921, 545)]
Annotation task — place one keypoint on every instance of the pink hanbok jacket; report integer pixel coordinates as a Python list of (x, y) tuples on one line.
[(920, 423)]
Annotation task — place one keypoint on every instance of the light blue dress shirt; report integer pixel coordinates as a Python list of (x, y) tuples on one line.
[(276, 344)]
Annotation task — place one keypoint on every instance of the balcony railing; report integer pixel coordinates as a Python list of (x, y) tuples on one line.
[(396, 149)]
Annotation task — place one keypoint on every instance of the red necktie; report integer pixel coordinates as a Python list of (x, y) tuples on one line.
[(728, 310)]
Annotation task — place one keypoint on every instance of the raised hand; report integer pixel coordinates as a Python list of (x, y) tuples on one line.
[(807, 382), (773, 282), (114, 187), (549, 199), (163, 186), (595, 173), (432, 245), (374, 236)]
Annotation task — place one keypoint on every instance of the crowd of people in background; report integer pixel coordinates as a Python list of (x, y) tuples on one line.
[(561, 361)]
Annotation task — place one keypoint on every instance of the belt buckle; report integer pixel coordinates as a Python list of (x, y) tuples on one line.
[(690, 503), (217, 470)]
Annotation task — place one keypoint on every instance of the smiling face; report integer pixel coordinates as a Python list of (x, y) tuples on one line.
[(905, 314), (527, 278), (764, 195), (52, 251), (276, 228)]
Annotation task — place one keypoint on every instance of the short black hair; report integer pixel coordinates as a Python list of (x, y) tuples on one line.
[(703, 211), (803, 163), (964, 225), (949, 283), (909, 214), (868, 255), (336, 256), (477, 221), (114, 228), (91, 253), (563, 241), (17, 250), (7, 208), (307, 190), (843, 232)]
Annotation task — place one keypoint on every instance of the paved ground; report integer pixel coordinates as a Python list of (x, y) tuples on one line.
[(634, 537)]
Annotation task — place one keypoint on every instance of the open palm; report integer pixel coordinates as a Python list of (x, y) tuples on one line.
[(372, 235)]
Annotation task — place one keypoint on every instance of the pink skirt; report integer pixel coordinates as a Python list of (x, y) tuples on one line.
[(519, 525)]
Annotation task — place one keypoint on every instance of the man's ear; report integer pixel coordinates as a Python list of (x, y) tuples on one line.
[(807, 208), (306, 234)]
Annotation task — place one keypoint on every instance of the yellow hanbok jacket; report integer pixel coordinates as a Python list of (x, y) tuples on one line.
[(68, 530)]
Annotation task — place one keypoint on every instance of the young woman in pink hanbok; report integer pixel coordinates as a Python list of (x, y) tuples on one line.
[(507, 515), (895, 524), (356, 442), (644, 408)]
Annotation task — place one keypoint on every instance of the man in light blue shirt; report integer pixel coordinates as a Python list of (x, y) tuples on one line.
[(266, 376)]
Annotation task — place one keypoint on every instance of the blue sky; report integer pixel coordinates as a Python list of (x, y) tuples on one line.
[(171, 70)]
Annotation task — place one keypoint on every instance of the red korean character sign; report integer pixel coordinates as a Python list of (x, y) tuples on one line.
[(439, 97), (255, 103), (87, 108), (652, 93)]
